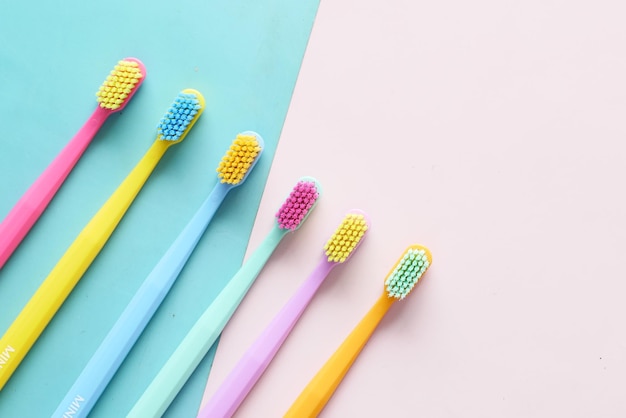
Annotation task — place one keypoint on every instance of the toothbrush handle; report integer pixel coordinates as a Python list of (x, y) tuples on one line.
[(53, 291), (251, 366), (34, 201), (97, 374), (181, 364), (319, 390)]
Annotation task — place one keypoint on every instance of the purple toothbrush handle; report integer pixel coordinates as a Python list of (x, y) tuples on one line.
[(251, 366)]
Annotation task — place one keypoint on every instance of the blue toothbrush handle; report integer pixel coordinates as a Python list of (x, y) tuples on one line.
[(100, 369), (192, 349)]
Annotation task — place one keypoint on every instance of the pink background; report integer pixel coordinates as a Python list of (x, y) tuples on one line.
[(493, 133)]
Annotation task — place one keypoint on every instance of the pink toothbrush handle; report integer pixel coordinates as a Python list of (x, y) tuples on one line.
[(251, 366), (32, 204)]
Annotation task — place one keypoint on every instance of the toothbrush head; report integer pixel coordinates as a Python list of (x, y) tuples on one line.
[(121, 84), (181, 116), (239, 160), (347, 237), (299, 204), (407, 271)]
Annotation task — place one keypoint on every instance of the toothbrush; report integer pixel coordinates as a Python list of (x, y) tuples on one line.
[(38, 312), (114, 94), (402, 278), (100, 369), (257, 358), (173, 375)]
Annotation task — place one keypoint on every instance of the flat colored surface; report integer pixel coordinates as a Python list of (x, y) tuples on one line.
[(492, 132), (244, 56)]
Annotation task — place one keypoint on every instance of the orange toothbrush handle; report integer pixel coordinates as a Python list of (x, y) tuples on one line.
[(319, 390)]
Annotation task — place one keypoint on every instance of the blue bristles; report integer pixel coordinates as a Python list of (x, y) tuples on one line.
[(179, 115)]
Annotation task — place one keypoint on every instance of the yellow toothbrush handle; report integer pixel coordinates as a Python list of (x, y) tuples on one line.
[(319, 390), (35, 316)]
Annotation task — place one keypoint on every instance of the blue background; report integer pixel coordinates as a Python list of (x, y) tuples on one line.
[(244, 57)]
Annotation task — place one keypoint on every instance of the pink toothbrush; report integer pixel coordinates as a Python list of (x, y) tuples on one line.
[(251, 366), (114, 94)]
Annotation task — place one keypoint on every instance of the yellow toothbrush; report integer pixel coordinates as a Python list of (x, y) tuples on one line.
[(38, 312)]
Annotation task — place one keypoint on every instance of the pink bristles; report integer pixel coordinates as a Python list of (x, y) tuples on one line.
[(297, 205)]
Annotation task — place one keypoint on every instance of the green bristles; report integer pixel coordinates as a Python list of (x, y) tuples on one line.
[(407, 272)]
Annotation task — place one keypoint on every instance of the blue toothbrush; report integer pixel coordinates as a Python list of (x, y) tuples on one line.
[(232, 171)]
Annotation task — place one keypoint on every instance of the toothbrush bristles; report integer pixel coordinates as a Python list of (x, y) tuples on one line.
[(238, 159), (407, 272), (178, 117), (345, 239), (297, 206), (119, 84)]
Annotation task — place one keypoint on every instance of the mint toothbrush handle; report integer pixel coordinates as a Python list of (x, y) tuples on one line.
[(251, 366), (100, 369), (181, 364)]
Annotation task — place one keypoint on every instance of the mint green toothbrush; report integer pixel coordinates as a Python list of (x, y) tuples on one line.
[(181, 364)]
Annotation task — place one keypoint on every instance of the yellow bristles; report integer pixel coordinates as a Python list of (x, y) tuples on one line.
[(345, 238), (238, 159), (119, 84)]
